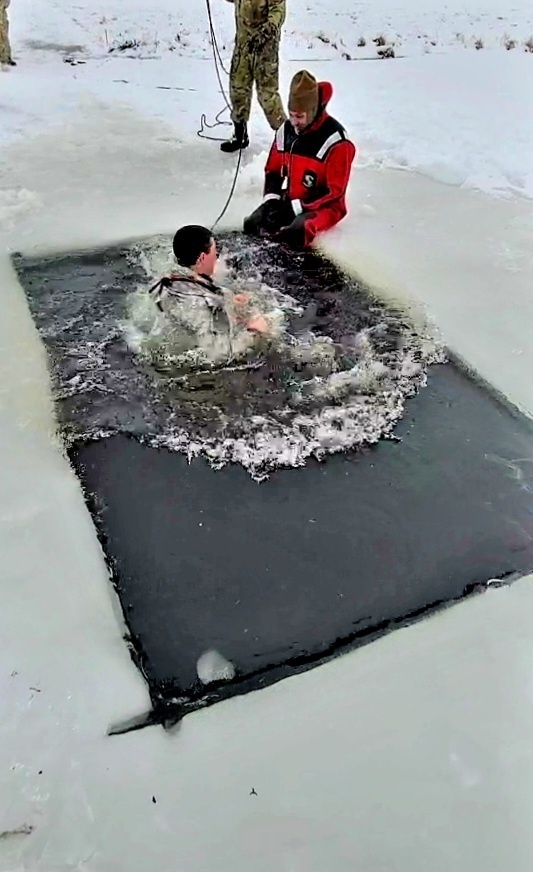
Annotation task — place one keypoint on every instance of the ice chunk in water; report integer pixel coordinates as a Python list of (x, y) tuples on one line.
[(212, 666)]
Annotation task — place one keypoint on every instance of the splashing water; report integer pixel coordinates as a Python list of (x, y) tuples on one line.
[(334, 374), (310, 389)]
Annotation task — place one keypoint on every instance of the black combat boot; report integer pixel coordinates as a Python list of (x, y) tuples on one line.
[(239, 139)]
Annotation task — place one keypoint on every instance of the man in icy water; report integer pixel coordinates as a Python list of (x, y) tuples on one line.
[(221, 353), (207, 323)]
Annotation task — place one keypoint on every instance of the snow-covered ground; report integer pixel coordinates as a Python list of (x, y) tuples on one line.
[(413, 753)]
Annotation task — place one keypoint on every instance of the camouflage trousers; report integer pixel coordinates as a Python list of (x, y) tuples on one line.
[(5, 50), (262, 67)]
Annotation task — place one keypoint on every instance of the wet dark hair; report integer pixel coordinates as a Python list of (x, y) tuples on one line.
[(190, 242)]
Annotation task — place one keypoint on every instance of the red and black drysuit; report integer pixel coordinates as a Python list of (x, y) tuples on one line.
[(306, 177)]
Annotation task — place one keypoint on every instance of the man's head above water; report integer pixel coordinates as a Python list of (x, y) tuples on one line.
[(195, 248)]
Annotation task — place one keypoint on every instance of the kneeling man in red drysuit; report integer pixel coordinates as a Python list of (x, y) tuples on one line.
[(307, 170)]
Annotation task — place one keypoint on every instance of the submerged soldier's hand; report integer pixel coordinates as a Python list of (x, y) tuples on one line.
[(241, 308), (258, 324)]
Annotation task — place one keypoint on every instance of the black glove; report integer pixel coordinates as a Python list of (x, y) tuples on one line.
[(292, 236), (265, 219), (272, 215)]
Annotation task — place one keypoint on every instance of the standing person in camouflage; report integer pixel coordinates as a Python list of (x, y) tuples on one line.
[(5, 50), (255, 58)]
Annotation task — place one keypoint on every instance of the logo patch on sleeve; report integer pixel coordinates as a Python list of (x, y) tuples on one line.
[(310, 178)]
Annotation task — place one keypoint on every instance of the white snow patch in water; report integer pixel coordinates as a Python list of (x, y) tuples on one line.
[(212, 666)]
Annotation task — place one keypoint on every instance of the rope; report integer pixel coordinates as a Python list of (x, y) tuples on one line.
[(232, 191), (219, 65), (204, 125)]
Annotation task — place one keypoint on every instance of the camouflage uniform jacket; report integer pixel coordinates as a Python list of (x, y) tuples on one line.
[(194, 308), (200, 318), (249, 14)]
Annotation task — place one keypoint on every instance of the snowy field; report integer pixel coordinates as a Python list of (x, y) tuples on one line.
[(413, 753)]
